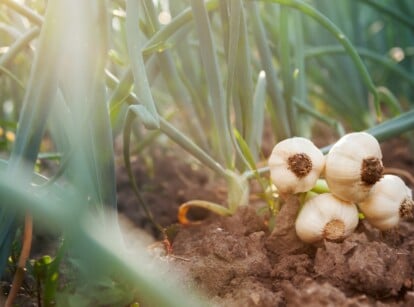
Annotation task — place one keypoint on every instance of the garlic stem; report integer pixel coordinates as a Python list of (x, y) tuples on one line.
[(320, 187)]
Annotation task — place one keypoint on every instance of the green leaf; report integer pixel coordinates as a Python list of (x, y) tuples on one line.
[(136, 41)]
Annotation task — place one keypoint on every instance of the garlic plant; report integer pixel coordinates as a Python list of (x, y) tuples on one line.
[(326, 217), (353, 166), (388, 201), (295, 165)]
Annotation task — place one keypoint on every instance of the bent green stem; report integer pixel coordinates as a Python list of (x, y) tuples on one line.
[(366, 53), (210, 206), (25, 11), (18, 45), (342, 39), (406, 20)]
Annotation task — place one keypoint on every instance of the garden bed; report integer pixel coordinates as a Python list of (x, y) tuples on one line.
[(237, 261)]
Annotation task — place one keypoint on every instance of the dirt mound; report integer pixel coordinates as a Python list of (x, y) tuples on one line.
[(231, 260), (237, 261)]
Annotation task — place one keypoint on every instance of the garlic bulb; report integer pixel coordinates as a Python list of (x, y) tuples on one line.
[(353, 166), (295, 165), (326, 217), (388, 201)]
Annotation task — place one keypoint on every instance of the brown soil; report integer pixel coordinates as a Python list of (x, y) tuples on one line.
[(237, 261)]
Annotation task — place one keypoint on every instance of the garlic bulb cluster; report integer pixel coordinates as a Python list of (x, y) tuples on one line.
[(353, 172), (353, 166), (295, 165), (326, 217), (388, 201)]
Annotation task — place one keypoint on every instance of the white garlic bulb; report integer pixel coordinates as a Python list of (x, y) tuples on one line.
[(388, 201), (326, 217), (353, 166), (295, 165)]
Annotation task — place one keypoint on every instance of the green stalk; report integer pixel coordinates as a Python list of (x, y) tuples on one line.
[(286, 60), (38, 98), (218, 105), (12, 76), (234, 34), (238, 65), (11, 31), (273, 87), (299, 78), (135, 42), (395, 126), (176, 88), (304, 107), (175, 25), (259, 104), (175, 135), (369, 54), (244, 74), (25, 11), (18, 46), (178, 137), (386, 10), (340, 36)]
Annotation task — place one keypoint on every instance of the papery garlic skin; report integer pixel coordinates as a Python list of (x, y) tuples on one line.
[(353, 166), (388, 201), (295, 165), (326, 217)]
